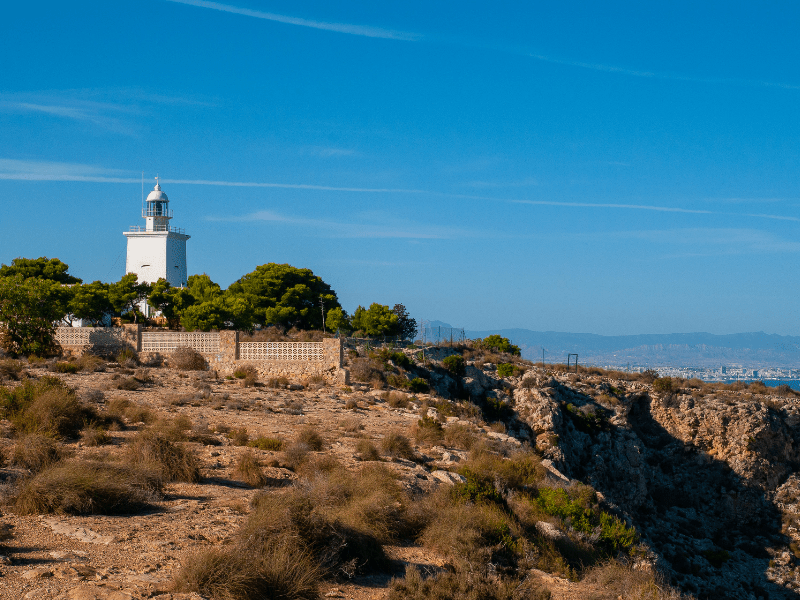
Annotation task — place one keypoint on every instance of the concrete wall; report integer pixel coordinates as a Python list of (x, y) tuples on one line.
[(296, 361)]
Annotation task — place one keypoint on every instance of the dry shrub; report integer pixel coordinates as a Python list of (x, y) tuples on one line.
[(520, 471), (93, 396), (342, 518), (427, 431), (173, 462), (315, 380), (368, 370), (266, 443), (248, 469), (293, 407), (396, 444), (311, 437), (268, 334), (463, 586), (295, 456), (351, 404), (65, 367), (128, 383), (187, 359), (47, 406), (619, 580), (395, 399), (277, 568), (351, 425), (82, 487), (277, 382), (91, 363), (366, 450), (239, 436), (127, 357), (35, 452), (247, 374), (94, 435), (11, 369), (122, 408), (458, 435), (173, 430)]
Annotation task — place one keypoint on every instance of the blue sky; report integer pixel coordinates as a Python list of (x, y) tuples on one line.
[(612, 168)]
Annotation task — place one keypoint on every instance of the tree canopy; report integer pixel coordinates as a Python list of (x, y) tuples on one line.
[(377, 320), (29, 311), (51, 269), (283, 295)]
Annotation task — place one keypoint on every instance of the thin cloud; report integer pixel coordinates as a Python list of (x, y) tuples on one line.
[(613, 205), (350, 29), (351, 229), (104, 115), (704, 241)]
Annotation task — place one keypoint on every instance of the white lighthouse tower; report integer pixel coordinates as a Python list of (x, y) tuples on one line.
[(157, 250)]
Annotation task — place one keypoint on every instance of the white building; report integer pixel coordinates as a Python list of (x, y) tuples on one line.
[(157, 250)]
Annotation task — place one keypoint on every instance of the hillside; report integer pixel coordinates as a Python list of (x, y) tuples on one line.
[(547, 484)]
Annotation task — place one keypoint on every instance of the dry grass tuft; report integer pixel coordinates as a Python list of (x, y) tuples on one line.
[(619, 580), (248, 469), (366, 450), (351, 425), (311, 437), (91, 363), (277, 382), (266, 443), (94, 435), (122, 408), (35, 452), (239, 436), (87, 488), (276, 569), (11, 369), (458, 435), (187, 359), (173, 462), (396, 444), (463, 586)]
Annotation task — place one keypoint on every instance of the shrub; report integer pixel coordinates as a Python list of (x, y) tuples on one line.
[(128, 357), (94, 435), (239, 436), (65, 367), (278, 568), (247, 374), (173, 462), (248, 469), (351, 404), (94, 396), (455, 364), (277, 382), (351, 425), (396, 399), (458, 435), (295, 456), (366, 450), (428, 431), (462, 586), (396, 444), (35, 452), (367, 370), (86, 488), (123, 408), (509, 370), (91, 363), (129, 383), (663, 384), (418, 385), (46, 406), (266, 443), (311, 437), (187, 359), (10, 369)]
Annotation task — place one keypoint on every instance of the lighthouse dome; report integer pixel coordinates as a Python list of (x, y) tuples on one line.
[(157, 195)]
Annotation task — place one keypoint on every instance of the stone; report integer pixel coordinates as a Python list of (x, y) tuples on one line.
[(447, 477), (37, 573), (93, 592)]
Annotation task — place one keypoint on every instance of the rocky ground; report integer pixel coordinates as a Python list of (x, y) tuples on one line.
[(707, 476)]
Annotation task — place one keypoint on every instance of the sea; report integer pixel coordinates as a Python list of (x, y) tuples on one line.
[(792, 383)]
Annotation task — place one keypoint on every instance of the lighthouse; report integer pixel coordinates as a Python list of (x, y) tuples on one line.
[(157, 250)]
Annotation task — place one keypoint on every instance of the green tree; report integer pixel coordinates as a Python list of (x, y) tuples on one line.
[(406, 326), (221, 312), (378, 320), (40, 268), (338, 320), (286, 296), (126, 294), (500, 344), (29, 311), (202, 288), (90, 302)]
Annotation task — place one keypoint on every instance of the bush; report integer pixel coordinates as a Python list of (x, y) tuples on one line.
[(248, 469), (509, 370), (266, 443), (428, 431), (35, 452), (458, 435), (418, 385), (462, 586), (311, 437), (10, 369), (46, 406), (455, 364), (91, 363), (173, 462), (396, 444), (366, 450), (187, 359), (663, 384), (277, 382), (86, 488), (496, 343), (94, 435), (65, 367), (122, 408), (278, 568), (247, 374), (368, 370), (239, 436), (127, 357)]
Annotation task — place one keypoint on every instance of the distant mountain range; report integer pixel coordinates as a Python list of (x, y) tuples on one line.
[(755, 350)]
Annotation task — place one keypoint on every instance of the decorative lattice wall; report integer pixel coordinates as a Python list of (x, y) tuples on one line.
[(166, 342), (282, 351), (91, 336)]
